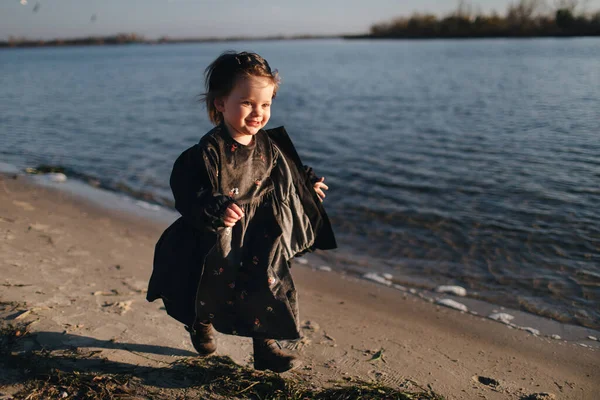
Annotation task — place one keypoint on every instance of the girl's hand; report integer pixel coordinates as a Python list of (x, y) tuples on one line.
[(233, 214), (319, 187)]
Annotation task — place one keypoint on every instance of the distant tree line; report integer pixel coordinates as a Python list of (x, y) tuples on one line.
[(123, 38), (129, 38), (526, 18)]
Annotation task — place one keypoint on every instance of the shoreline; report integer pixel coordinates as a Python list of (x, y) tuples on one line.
[(123, 204), (84, 268)]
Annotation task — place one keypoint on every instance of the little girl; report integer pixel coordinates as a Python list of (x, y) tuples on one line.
[(248, 207)]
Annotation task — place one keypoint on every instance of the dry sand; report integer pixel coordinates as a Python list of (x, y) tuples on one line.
[(81, 272)]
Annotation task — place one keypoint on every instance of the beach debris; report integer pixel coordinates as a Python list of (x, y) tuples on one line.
[(388, 276), (378, 356), (540, 396), (113, 292), (135, 286), (484, 380), (372, 276), (324, 268), (8, 284), (556, 337), (533, 331), (455, 290), (311, 326), (452, 304), (45, 169), (328, 337), (120, 307), (502, 317), (57, 177), (19, 315), (593, 338)]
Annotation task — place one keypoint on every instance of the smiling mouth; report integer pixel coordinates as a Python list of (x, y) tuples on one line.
[(254, 123)]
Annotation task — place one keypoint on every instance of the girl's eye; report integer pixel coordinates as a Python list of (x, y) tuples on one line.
[(246, 103), (266, 105)]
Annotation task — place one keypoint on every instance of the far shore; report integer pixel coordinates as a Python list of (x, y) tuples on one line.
[(123, 41)]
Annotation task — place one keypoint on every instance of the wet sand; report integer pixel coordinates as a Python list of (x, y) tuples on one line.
[(81, 272)]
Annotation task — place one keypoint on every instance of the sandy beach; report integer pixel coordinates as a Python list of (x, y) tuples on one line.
[(76, 273)]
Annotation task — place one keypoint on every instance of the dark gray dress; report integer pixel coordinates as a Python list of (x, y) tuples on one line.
[(246, 288)]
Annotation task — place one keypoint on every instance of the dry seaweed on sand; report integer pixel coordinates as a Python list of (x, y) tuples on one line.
[(76, 385), (220, 375), (43, 375)]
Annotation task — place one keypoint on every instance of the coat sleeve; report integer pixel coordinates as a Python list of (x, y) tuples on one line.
[(195, 188), (311, 174)]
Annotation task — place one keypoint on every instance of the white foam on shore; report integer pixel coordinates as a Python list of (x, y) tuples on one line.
[(147, 206), (372, 276), (533, 331), (502, 317), (401, 288), (56, 177), (455, 290), (452, 304), (325, 268)]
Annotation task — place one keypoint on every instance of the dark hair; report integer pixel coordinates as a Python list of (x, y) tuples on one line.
[(221, 75)]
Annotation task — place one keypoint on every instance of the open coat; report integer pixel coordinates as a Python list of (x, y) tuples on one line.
[(181, 252)]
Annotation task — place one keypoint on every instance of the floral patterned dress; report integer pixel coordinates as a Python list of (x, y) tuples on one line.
[(246, 288)]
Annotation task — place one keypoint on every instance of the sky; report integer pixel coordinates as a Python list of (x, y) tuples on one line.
[(213, 18)]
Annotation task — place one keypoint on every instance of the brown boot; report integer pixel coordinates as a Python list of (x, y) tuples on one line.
[(203, 337), (268, 354)]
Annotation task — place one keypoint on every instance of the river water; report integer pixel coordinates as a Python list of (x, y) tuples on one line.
[(473, 162)]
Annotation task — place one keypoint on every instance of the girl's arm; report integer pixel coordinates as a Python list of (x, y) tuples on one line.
[(194, 185)]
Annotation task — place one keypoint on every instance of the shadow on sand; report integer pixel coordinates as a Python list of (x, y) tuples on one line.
[(50, 365)]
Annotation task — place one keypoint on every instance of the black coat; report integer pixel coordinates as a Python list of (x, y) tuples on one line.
[(181, 250)]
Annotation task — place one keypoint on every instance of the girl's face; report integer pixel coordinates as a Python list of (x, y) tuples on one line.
[(247, 109)]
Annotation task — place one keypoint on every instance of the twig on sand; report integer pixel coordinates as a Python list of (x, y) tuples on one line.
[(249, 387), (378, 356)]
